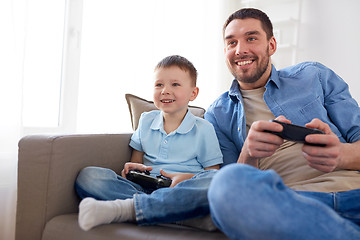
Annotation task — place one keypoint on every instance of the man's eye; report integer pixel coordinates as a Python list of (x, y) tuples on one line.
[(250, 39)]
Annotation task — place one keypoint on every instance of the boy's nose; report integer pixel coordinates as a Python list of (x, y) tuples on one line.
[(165, 91)]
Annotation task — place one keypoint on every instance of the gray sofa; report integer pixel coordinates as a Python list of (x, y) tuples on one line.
[(47, 204)]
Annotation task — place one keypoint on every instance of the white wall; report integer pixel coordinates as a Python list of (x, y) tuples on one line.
[(326, 31), (330, 34)]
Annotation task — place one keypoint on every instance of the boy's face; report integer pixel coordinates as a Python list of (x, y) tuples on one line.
[(173, 89), (248, 51)]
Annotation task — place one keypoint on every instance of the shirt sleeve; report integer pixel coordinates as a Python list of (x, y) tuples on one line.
[(227, 146), (342, 109), (209, 151), (135, 141)]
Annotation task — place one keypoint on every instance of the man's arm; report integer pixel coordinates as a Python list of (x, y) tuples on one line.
[(350, 153), (260, 144), (335, 155), (228, 148)]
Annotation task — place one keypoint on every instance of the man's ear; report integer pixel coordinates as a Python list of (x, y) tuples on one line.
[(272, 46), (194, 93)]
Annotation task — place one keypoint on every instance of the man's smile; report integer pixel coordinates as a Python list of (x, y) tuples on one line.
[(243, 63)]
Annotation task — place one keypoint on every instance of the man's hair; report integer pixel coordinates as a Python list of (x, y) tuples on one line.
[(245, 13), (180, 62)]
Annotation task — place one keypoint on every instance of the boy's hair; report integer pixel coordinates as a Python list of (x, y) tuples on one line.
[(245, 13), (180, 62)]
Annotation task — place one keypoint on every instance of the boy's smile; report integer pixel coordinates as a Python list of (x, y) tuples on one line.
[(167, 101)]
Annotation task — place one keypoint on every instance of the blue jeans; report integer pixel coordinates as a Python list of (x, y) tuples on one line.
[(246, 203), (186, 200)]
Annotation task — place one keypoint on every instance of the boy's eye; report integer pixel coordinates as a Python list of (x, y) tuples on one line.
[(176, 84), (158, 85)]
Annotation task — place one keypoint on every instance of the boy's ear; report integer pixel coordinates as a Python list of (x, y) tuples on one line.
[(194, 93)]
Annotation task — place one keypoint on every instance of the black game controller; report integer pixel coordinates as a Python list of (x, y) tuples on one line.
[(145, 180), (296, 133)]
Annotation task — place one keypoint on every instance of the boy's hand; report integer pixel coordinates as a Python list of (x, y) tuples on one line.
[(176, 177), (134, 166)]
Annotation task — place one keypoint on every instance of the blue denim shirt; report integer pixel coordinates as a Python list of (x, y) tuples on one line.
[(301, 93)]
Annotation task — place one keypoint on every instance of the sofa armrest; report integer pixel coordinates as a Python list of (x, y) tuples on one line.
[(47, 169)]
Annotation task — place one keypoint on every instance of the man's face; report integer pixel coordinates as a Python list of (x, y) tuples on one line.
[(248, 51)]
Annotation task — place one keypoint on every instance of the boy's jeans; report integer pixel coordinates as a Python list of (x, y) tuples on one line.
[(247, 203), (186, 200)]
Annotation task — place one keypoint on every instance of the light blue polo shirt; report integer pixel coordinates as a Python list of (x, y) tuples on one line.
[(190, 148)]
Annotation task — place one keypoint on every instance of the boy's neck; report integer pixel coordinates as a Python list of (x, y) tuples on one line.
[(173, 121)]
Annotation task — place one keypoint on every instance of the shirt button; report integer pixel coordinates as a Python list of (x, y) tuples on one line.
[(165, 141), (238, 129)]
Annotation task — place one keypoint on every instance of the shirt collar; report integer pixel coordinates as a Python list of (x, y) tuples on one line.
[(186, 125), (234, 91), (157, 123), (274, 78)]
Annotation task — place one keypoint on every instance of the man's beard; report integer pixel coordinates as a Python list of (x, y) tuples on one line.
[(259, 72)]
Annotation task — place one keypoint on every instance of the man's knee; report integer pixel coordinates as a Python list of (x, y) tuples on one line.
[(224, 183), (241, 181), (231, 176)]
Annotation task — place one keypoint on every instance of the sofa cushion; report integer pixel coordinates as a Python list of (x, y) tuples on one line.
[(67, 227), (139, 105)]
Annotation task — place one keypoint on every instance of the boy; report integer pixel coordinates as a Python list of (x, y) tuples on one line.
[(171, 139)]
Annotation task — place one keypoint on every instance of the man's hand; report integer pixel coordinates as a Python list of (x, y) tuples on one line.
[(176, 177), (260, 144), (134, 166), (327, 158)]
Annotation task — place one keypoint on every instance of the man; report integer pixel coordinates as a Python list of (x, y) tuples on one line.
[(312, 192)]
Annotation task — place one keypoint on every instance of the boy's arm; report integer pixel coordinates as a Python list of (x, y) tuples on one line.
[(137, 156), (217, 166), (176, 177), (179, 177), (136, 163)]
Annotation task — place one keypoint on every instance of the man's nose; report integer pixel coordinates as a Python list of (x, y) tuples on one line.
[(241, 49)]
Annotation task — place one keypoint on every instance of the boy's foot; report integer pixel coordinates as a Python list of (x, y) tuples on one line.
[(93, 212)]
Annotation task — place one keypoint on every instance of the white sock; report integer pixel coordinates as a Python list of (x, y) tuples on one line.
[(93, 212)]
